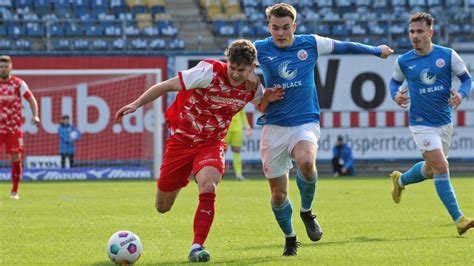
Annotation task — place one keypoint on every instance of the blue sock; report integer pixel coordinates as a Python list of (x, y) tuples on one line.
[(283, 214), (414, 175), (446, 194), (307, 189)]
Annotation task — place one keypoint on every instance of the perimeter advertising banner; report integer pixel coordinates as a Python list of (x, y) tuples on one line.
[(355, 102), (90, 90)]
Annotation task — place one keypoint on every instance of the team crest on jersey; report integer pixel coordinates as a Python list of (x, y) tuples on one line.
[(426, 143), (440, 63), (302, 55), (427, 76), (285, 73)]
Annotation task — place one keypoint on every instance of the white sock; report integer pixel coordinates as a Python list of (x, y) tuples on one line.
[(194, 246)]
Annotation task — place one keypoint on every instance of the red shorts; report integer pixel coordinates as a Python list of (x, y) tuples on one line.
[(180, 160), (13, 142)]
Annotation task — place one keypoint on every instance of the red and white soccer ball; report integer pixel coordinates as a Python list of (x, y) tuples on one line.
[(124, 247)]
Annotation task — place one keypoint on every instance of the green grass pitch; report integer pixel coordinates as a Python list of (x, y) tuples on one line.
[(69, 223)]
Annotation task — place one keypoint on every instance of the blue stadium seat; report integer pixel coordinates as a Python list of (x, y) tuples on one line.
[(23, 44), (82, 12), (56, 30), (118, 7), (323, 29), (3, 30), (158, 44), (74, 29), (5, 44), (81, 3), (151, 31), (157, 9), (99, 7), (93, 30), (16, 31), (81, 44), (100, 44), (61, 44), (112, 29), (340, 30), (132, 29), (248, 30), (139, 44), (176, 44), (42, 7), (167, 28), (119, 44), (62, 8), (34, 29), (19, 4)]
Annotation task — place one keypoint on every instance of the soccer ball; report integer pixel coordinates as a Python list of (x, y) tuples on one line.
[(124, 247), (73, 135)]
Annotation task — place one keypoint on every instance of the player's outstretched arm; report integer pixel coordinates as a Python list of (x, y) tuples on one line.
[(34, 109), (382, 51), (270, 95), (148, 96)]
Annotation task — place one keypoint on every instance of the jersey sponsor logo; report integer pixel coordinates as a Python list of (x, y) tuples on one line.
[(302, 55), (440, 63), (284, 73), (427, 76)]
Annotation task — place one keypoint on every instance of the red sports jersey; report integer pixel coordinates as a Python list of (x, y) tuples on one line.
[(204, 108), (11, 92)]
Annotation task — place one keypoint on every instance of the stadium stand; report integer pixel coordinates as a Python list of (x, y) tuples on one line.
[(87, 25)]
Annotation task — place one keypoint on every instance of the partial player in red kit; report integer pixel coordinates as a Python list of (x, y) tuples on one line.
[(209, 95), (12, 89)]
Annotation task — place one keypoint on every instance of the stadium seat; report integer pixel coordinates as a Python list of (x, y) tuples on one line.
[(93, 30), (20, 4), (139, 44), (56, 30), (158, 44), (118, 7), (62, 44), (82, 12), (176, 44), (167, 28), (100, 44), (151, 31), (42, 7), (62, 8), (119, 44), (73, 29), (156, 6), (132, 29), (137, 6), (23, 44), (16, 31), (5, 44), (81, 44), (35, 30)]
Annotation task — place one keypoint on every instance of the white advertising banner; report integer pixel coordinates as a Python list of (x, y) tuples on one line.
[(355, 102)]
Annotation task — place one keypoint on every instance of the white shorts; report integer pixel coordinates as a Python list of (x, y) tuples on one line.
[(277, 143), (432, 138)]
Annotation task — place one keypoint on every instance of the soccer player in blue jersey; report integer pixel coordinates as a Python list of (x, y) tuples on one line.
[(428, 69), (291, 125)]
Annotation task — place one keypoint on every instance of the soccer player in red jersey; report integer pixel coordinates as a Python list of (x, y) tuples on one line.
[(12, 89), (210, 94)]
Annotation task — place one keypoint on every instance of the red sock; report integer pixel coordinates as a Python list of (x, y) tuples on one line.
[(16, 175), (204, 217)]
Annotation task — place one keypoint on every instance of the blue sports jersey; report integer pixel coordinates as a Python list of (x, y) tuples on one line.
[(294, 67), (429, 79)]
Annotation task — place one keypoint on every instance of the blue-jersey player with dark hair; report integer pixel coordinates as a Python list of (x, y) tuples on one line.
[(291, 125), (428, 70)]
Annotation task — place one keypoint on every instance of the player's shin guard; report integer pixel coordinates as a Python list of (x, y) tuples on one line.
[(307, 189), (446, 194), (204, 217), (283, 214), (414, 175), (237, 161), (16, 172)]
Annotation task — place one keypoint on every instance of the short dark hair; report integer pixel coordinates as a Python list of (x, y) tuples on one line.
[(281, 10), (420, 17), (241, 52), (5, 58), (65, 117), (340, 138)]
